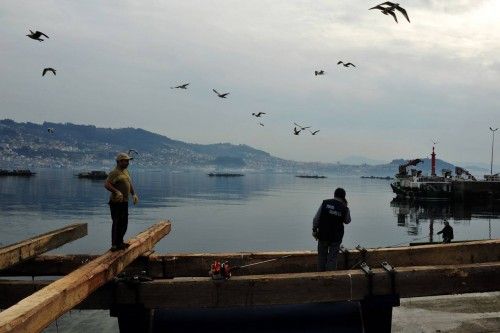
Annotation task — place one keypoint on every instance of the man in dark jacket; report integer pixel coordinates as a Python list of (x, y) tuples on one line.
[(328, 229), (447, 232)]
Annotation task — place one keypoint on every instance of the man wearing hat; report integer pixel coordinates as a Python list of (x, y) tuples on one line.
[(119, 184), (328, 229)]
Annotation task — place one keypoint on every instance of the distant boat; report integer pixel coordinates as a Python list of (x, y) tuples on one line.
[(94, 174), (375, 177), (310, 176), (19, 173), (221, 174)]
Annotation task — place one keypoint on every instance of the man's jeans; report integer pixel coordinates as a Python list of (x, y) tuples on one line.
[(327, 255)]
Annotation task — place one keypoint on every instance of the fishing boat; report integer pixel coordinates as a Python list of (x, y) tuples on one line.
[(94, 174), (224, 174), (310, 176), (19, 173), (459, 187)]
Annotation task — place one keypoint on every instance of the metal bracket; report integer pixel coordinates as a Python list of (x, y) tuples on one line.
[(362, 251), (369, 274), (392, 273), (345, 252)]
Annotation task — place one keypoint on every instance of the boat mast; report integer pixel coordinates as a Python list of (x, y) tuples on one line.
[(433, 164)]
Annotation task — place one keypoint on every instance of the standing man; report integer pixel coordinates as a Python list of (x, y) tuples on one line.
[(119, 184), (447, 232), (328, 229)]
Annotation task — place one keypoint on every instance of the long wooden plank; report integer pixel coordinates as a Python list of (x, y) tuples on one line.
[(37, 311), (297, 288), (183, 264), (29, 248)]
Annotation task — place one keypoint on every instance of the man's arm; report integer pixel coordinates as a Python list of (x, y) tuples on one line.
[(347, 216), (109, 186), (316, 218)]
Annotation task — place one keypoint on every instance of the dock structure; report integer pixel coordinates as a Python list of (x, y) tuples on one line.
[(29, 248), (180, 280), (38, 310)]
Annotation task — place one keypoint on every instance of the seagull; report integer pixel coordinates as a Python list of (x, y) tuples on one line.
[(386, 11), (296, 131), (220, 95), (321, 72), (314, 133), (50, 130), (346, 64), (36, 35), (182, 86), (130, 151), (391, 6), (258, 114), (301, 127), (45, 70)]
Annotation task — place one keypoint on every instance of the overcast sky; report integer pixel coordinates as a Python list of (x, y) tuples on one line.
[(436, 78)]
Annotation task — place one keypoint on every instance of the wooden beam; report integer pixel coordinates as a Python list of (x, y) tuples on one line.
[(296, 288), (37, 311), (315, 287), (29, 248), (183, 264)]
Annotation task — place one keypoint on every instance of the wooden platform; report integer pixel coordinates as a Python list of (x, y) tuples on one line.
[(37, 311)]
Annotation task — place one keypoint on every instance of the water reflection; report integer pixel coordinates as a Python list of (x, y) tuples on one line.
[(411, 214)]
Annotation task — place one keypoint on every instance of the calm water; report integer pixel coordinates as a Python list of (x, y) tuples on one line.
[(250, 213)]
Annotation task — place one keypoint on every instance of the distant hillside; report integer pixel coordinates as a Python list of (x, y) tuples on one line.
[(29, 145)]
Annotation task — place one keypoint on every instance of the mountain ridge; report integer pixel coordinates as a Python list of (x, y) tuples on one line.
[(30, 145)]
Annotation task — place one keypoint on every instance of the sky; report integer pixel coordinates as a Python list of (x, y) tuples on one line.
[(436, 78)]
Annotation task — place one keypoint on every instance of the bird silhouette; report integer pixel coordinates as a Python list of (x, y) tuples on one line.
[(389, 10), (219, 94), (36, 35), (314, 133), (50, 130), (346, 64), (301, 127), (258, 114), (296, 131), (321, 72), (182, 86), (45, 70), (130, 151)]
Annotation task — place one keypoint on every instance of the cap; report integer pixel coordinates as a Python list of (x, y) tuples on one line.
[(123, 156), (340, 193)]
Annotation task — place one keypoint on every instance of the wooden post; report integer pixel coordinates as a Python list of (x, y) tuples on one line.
[(29, 248), (37, 311)]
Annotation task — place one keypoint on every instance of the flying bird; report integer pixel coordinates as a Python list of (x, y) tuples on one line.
[(301, 127), (36, 35), (182, 86), (45, 70), (296, 131), (258, 114), (50, 130), (321, 72), (346, 64), (314, 133), (219, 94), (130, 151), (389, 10)]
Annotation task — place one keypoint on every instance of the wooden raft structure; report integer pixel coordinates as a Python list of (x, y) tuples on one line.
[(180, 280), (38, 310)]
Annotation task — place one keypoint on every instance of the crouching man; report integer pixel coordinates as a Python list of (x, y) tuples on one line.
[(328, 229)]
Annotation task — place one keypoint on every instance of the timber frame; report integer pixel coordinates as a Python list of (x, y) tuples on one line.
[(180, 280)]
